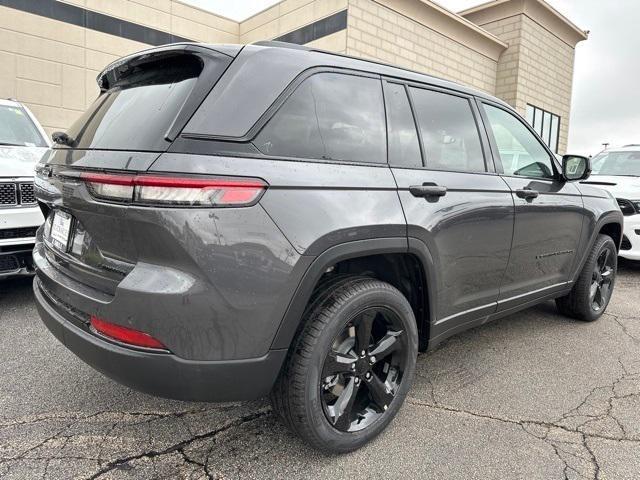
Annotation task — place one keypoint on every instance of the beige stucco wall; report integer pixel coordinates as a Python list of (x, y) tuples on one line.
[(289, 15), (537, 67), (519, 50), (378, 32), (51, 66)]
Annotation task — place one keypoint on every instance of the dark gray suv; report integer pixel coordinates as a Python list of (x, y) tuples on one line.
[(228, 222)]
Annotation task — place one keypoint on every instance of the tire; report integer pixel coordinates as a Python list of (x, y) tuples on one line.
[(340, 412), (581, 303)]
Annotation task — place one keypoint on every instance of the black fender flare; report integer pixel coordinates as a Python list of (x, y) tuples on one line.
[(612, 217), (345, 251)]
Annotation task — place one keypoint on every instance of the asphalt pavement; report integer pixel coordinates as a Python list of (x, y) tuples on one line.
[(532, 396)]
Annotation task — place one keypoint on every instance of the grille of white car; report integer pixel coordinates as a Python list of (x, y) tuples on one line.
[(8, 194), (16, 193)]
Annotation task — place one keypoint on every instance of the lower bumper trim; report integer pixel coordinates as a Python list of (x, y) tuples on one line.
[(161, 374)]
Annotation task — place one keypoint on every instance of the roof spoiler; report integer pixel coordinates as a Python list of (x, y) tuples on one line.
[(114, 70)]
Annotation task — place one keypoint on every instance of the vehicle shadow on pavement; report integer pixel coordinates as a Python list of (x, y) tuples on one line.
[(492, 397)]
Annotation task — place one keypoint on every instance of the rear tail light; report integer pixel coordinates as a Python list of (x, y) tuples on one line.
[(125, 334), (175, 191)]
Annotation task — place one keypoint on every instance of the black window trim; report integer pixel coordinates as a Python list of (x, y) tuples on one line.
[(187, 142), (494, 146), (385, 82)]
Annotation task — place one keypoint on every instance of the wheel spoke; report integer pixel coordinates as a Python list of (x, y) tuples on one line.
[(604, 293), (604, 257), (598, 297), (593, 290), (607, 274), (363, 331), (380, 393), (337, 363), (340, 411), (387, 345)]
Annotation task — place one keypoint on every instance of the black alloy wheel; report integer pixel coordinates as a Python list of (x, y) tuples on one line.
[(350, 366), (363, 369), (593, 288), (602, 280)]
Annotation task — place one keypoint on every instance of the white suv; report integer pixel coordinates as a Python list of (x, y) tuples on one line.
[(618, 171), (22, 143)]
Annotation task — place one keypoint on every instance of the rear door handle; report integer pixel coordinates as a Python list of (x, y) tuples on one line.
[(428, 190), (527, 193)]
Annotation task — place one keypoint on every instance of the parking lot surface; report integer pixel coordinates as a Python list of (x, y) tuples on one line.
[(534, 395)]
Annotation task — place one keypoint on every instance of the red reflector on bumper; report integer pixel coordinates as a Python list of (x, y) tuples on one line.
[(124, 334)]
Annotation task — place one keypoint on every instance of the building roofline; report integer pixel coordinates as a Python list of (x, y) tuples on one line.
[(457, 17), (491, 4), (461, 30)]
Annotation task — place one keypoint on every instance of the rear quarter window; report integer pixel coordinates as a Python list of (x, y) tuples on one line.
[(330, 116)]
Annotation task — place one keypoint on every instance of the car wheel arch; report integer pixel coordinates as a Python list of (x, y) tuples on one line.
[(355, 251)]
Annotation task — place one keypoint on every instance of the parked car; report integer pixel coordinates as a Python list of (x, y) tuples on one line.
[(229, 222), (617, 170), (23, 142)]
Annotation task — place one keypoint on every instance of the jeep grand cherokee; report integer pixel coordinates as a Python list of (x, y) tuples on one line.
[(228, 222)]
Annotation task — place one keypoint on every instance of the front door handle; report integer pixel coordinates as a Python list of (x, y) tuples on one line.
[(527, 193), (428, 190)]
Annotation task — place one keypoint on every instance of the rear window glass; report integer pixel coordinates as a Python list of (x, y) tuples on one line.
[(136, 111), (16, 128), (330, 116)]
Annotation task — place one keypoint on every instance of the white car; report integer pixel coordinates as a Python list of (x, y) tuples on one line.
[(618, 171), (22, 143)]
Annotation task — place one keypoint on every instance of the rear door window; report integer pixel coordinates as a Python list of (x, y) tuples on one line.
[(450, 136), (330, 116), (136, 111)]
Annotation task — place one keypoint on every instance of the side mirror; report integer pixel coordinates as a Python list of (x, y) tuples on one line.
[(575, 167)]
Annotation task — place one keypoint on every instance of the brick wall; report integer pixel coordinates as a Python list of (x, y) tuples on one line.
[(546, 74), (378, 32), (51, 66), (508, 30), (290, 15), (536, 69)]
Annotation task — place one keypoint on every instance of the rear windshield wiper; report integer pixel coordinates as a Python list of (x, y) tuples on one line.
[(9, 144), (62, 138)]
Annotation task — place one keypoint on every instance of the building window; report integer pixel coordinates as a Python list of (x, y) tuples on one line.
[(546, 124)]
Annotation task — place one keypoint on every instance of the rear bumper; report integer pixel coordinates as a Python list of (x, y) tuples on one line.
[(162, 374), (632, 234)]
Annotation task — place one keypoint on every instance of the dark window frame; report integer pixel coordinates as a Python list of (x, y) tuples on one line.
[(537, 111), (494, 146)]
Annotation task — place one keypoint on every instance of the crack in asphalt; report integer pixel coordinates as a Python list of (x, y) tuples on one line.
[(547, 426), (572, 437), (179, 447)]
